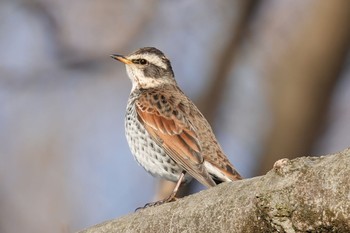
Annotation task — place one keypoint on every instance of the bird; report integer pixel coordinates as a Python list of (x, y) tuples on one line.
[(167, 134)]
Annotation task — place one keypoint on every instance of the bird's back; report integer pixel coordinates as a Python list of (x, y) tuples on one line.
[(172, 103)]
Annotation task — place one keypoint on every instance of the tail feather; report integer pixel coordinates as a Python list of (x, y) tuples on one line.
[(220, 175)]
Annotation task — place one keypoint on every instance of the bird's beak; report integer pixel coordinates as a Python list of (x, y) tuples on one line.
[(121, 58)]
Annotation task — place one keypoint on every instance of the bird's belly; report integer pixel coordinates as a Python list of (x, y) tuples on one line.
[(147, 153)]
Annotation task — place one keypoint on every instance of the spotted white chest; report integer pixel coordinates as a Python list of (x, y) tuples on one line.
[(146, 151)]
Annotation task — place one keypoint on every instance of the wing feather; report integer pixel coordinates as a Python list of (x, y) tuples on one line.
[(176, 137)]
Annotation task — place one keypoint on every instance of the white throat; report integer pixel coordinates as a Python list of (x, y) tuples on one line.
[(140, 81)]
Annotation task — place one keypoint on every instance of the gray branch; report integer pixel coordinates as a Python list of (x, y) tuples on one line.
[(307, 194)]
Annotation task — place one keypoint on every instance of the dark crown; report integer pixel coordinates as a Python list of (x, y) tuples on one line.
[(160, 54), (150, 50)]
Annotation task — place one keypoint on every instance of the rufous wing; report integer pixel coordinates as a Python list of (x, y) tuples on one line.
[(177, 138)]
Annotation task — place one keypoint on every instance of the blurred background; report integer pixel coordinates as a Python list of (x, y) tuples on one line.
[(272, 77)]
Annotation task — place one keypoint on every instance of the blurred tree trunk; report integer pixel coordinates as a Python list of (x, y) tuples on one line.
[(302, 71)]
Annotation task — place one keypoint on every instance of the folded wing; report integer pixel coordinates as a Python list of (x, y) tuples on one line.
[(176, 136)]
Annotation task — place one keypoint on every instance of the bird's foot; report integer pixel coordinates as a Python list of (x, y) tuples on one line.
[(171, 198)]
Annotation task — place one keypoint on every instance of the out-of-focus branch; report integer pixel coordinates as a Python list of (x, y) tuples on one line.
[(209, 102), (307, 194)]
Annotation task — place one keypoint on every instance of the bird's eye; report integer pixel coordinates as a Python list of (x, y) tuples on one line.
[(139, 61), (143, 61)]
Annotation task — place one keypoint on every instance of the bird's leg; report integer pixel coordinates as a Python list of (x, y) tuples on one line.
[(172, 196)]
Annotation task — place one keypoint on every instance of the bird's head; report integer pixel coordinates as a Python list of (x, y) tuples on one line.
[(147, 68)]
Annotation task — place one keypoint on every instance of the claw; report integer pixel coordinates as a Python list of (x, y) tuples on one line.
[(171, 198)]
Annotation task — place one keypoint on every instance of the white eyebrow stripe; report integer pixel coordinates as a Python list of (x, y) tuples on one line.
[(152, 58), (156, 60)]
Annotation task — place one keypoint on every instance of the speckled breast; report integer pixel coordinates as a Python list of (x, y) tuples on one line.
[(146, 151)]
